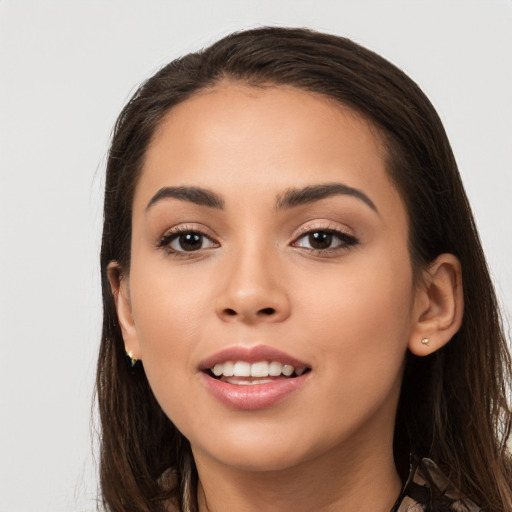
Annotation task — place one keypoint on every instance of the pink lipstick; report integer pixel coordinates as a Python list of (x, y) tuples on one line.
[(251, 378)]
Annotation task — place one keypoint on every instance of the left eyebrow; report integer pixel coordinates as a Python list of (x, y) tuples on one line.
[(296, 197)]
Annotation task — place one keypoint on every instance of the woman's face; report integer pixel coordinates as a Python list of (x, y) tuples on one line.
[(268, 238)]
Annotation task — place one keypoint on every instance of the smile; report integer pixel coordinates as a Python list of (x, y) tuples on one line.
[(231, 372), (252, 378)]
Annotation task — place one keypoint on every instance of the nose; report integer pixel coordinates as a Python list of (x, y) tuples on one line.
[(253, 290)]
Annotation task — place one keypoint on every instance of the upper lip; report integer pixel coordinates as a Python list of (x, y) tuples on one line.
[(251, 355)]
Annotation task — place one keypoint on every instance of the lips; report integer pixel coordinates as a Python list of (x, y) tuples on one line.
[(251, 355), (251, 378)]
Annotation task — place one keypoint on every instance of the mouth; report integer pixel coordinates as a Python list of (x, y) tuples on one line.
[(245, 373), (252, 378)]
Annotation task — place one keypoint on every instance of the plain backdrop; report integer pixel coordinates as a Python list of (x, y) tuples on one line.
[(66, 69)]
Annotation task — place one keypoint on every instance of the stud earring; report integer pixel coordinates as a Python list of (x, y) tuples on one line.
[(132, 359), (425, 341), (132, 362)]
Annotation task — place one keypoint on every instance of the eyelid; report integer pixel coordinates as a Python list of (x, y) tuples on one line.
[(172, 233), (323, 225), (345, 235)]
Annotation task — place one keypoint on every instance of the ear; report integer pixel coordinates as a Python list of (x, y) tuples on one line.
[(438, 306), (121, 292)]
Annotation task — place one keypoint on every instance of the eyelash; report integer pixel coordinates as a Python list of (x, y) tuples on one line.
[(345, 241), (166, 241)]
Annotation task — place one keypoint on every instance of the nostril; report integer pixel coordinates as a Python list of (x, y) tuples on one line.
[(267, 311), (230, 312)]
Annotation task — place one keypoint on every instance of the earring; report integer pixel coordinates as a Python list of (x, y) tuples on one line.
[(132, 359), (132, 362), (425, 341)]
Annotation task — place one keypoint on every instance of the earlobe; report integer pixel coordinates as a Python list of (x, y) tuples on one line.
[(439, 306), (119, 285)]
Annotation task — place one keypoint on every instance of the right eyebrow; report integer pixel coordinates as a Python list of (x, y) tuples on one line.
[(196, 195)]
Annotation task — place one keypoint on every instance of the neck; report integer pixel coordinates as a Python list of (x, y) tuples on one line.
[(344, 479)]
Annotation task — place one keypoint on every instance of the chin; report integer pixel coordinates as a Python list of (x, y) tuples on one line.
[(254, 459), (259, 448)]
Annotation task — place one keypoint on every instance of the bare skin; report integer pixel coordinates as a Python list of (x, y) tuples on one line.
[(327, 280)]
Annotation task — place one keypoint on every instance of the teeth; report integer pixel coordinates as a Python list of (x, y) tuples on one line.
[(242, 369), (218, 369), (248, 382), (274, 369), (228, 369), (259, 369), (287, 370)]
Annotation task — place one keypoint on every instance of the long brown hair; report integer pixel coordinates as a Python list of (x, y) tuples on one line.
[(453, 407)]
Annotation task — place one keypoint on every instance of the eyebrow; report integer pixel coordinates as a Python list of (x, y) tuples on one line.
[(296, 197), (288, 199), (196, 195)]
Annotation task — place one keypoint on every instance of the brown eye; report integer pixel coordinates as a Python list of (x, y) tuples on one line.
[(325, 240), (187, 241), (320, 240)]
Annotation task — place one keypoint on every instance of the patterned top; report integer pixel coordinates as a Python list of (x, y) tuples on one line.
[(417, 494)]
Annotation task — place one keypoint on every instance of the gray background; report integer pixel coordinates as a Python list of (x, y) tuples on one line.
[(66, 69)]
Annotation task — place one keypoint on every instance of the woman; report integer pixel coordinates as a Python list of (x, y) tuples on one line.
[(291, 269)]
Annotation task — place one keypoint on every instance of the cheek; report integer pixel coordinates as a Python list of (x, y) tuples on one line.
[(168, 309), (362, 318), (167, 300), (372, 314), (163, 318)]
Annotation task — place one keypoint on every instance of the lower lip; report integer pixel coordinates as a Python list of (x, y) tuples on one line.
[(255, 396)]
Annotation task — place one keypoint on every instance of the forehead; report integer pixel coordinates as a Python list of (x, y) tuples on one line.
[(272, 110), (246, 138)]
